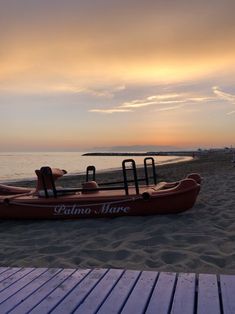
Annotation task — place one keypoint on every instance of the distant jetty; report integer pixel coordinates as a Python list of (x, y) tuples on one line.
[(181, 153)]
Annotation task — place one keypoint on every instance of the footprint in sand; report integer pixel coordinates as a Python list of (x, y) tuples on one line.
[(214, 260), (173, 257)]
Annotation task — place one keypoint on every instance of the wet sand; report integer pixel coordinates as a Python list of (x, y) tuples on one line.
[(199, 240)]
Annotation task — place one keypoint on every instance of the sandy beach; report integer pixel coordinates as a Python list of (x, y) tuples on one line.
[(199, 240)]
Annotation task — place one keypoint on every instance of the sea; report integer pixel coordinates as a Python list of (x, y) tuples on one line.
[(20, 166)]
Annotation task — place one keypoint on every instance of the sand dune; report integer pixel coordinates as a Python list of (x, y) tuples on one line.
[(199, 240)]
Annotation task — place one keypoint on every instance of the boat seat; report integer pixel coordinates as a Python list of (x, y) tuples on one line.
[(90, 187), (60, 191), (47, 179), (149, 191), (159, 186)]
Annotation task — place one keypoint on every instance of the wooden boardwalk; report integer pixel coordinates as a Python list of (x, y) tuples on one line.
[(107, 291)]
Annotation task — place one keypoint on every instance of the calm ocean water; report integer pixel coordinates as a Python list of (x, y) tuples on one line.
[(18, 166)]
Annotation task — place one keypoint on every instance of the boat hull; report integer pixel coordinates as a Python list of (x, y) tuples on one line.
[(94, 205), (12, 190)]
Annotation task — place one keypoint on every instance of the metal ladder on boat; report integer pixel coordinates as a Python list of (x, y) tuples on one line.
[(152, 164), (90, 171), (148, 161), (132, 168)]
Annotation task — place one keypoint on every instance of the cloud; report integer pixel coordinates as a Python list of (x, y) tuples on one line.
[(137, 104), (223, 95), (170, 108), (164, 100), (110, 111), (165, 96), (104, 92), (230, 113), (153, 100), (201, 99)]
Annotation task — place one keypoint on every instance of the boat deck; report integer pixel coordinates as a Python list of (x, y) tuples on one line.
[(90, 195), (42, 290)]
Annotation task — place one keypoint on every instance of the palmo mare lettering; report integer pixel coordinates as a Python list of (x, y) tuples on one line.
[(77, 210)]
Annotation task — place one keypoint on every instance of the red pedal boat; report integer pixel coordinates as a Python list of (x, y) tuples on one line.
[(94, 200)]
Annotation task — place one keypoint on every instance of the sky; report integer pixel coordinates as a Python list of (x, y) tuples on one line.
[(80, 74)]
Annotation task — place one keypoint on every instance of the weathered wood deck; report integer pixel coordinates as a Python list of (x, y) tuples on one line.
[(42, 290)]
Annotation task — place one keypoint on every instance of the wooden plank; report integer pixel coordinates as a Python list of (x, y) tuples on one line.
[(137, 301), (95, 299), (24, 293), (227, 283), (53, 299), (79, 293), (2, 269), (13, 278), (161, 298), (8, 273), (11, 290), (208, 295), (117, 297), (184, 296), (37, 296)]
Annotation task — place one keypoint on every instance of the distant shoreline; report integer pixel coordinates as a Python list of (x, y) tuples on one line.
[(181, 153)]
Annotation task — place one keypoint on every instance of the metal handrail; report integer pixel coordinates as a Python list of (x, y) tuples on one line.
[(133, 169), (93, 173), (153, 170)]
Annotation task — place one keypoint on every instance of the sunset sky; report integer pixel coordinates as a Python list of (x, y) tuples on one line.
[(79, 74)]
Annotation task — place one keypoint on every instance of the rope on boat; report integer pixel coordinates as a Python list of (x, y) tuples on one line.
[(8, 202)]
